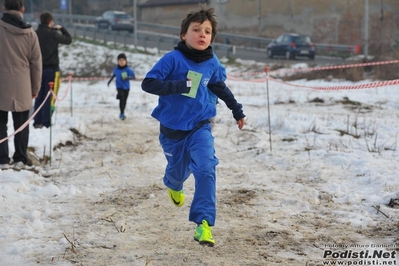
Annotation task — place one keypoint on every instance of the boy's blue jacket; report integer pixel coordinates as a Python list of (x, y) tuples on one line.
[(122, 84), (168, 79)]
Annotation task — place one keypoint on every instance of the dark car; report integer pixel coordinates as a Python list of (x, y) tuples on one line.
[(115, 20), (291, 45)]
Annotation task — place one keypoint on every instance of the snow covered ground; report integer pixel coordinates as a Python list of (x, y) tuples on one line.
[(320, 191)]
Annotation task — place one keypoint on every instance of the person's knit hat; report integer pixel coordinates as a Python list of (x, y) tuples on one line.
[(122, 55)]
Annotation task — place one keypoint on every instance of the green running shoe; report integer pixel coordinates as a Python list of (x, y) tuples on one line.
[(177, 197), (203, 234)]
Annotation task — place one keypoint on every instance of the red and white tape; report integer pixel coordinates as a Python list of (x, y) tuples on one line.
[(86, 78), (344, 87), (254, 76), (308, 69), (335, 67)]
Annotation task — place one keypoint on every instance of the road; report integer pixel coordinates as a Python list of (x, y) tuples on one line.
[(166, 42)]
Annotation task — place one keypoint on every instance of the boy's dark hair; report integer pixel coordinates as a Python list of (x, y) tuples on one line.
[(45, 18), (200, 16), (13, 4)]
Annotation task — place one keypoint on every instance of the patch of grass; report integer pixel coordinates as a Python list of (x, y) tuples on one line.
[(355, 105), (289, 139), (378, 72), (352, 74), (112, 46), (344, 132), (66, 144), (290, 101), (274, 67), (316, 100), (231, 61)]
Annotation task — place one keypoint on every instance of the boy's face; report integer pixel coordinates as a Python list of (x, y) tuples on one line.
[(121, 62), (198, 36)]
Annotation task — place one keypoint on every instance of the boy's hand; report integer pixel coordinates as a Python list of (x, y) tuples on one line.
[(240, 123), (182, 86)]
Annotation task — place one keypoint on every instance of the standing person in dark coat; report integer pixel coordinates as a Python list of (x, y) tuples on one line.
[(50, 36), (20, 73)]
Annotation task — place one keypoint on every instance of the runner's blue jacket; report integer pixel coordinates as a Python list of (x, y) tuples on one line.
[(118, 73), (168, 79)]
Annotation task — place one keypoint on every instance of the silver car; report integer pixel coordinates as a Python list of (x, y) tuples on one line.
[(115, 20)]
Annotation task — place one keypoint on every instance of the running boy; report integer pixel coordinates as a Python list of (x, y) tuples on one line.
[(123, 74), (183, 79)]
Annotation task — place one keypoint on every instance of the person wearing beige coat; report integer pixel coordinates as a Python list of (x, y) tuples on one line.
[(20, 78)]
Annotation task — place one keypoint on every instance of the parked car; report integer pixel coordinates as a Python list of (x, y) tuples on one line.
[(292, 45), (115, 20)]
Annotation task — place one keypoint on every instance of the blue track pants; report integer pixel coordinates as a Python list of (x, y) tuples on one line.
[(194, 154)]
